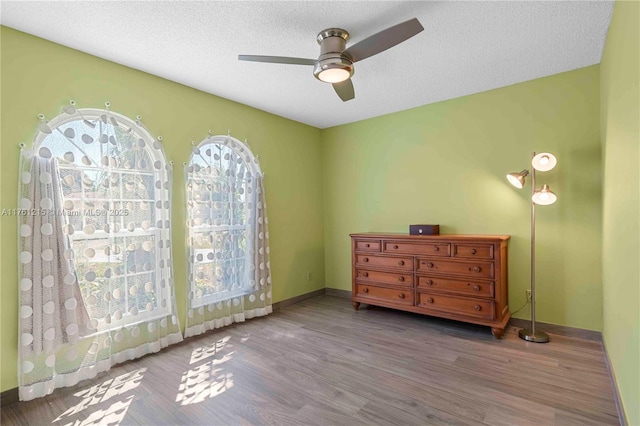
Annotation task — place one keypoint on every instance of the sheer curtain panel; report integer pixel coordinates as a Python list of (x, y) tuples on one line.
[(229, 270), (96, 274)]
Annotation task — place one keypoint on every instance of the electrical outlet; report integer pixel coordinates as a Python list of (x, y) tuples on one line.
[(308, 276), (528, 295)]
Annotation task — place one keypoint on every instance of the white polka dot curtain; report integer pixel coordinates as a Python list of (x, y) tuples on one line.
[(95, 264), (229, 269)]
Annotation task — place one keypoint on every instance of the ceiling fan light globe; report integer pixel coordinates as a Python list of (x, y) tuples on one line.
[(334, 75), (333, 69)]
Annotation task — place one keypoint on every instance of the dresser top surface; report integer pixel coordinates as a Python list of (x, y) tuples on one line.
[(449, 237)]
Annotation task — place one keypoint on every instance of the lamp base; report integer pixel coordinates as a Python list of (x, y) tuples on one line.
[(529, 336)]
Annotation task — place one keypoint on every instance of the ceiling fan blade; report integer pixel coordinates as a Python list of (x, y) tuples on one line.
[(345, 90), (384, 40), (277, 59)]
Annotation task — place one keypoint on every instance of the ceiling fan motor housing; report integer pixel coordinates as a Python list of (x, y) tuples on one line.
[(332, 43)]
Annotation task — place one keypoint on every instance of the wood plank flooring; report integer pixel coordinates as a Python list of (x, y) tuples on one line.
[(319, 362)]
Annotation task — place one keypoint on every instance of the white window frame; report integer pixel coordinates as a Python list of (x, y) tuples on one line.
[(156, 153), (251, 162)]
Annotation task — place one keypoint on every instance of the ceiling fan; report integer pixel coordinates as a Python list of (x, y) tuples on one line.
[(335, 63)]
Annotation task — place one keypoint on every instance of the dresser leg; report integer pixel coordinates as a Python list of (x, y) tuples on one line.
[(497, 332), (356, 305)]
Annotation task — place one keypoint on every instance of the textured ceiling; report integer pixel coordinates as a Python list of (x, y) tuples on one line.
[(466, 47)]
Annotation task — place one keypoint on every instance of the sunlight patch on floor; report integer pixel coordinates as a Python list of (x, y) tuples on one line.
[(105, 391), (208, 379), (113, 415), (200, 354), (204, 382)]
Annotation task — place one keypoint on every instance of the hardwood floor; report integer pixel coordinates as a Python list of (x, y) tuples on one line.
[(320, 362)]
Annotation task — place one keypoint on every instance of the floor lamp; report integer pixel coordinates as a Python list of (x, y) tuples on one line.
[(544, 196)]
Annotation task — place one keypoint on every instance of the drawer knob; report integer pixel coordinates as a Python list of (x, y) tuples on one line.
[(475, 269), (436, 248), (401, 295), (400, 278), (365, 290), (472, 251), (365, 274), (477, 307), (430, 282), (430, 300), (366, 259), (367, 245), (401, 262), (476, 287), (395, 246), (429, 265)]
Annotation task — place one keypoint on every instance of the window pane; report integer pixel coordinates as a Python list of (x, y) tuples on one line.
[(218, 193), (116, 207)]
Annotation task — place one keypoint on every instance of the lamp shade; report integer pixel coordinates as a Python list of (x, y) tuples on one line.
[(544, 162), (517, 179), (544, 196)]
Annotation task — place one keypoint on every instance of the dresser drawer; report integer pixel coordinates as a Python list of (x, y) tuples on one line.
[(424, 249), (477, 308), (462, 287), (476, 251), (367, 260), (367, 245), (469, 269), (393, 295), (384, 277)]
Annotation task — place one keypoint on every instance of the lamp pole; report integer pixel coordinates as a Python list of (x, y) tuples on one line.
[(533, 251), (530, 334)]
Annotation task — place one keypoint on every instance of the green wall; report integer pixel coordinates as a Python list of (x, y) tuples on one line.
[(40, 77), (620, 97), (445, 163), (2, 332), (442, 163)]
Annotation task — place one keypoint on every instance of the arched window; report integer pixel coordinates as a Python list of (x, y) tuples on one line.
[(115, 190), (111, 203), (229, 271)]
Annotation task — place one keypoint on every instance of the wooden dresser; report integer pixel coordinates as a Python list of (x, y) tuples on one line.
[(460, 277)]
